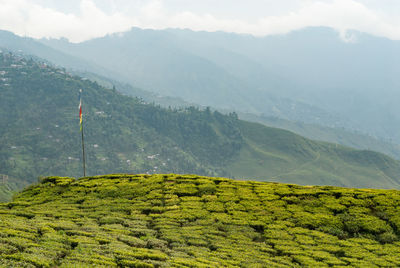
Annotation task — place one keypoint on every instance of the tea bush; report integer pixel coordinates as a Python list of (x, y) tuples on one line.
[(192, 221)]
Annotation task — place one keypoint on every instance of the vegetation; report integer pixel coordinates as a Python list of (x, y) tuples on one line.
[(273, 111), (342, 136), (39, 136), (352, 138), (10, 186), (40, 132), (193, 221), (290, 158)]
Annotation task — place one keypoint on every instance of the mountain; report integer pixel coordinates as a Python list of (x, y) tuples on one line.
[(339, 135), (351, 138), (167, 63), (311, 75), (30, 46), (151, 60), (39, 132), (224, 51), (145, 95), (192, 221), (353, 77), (39, 136)]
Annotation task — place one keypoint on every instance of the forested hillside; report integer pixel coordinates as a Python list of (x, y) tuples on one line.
[(40, 136), (192, 221), (251, 75), (40, 133)]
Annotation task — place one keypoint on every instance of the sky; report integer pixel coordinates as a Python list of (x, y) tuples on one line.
[(80, 20)]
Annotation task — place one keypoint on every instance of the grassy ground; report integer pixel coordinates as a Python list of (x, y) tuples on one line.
[(192, 221)]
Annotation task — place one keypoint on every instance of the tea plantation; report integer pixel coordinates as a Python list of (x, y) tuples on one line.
[(192, 221)]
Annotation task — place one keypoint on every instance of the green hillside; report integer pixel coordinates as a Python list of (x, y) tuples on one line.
[(39, 136), (280, 155), (342, 136), (39, 129), (274, 76), (192, 221), (354, 139), (9, 186)]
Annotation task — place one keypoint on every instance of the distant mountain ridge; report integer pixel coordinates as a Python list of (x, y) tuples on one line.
[(354, 139), (223, 50), (310, 75), (32, 47), (168, 63), (123, 134)]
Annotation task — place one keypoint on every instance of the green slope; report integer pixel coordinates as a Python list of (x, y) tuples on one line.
[(280, 155), (192, 221), (337, 135), (39, 136), (341, 136)]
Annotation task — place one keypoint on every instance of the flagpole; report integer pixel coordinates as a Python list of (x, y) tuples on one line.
[(83, 153), (81, 128)]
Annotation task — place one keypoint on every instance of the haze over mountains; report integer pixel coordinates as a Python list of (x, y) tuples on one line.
[(263, 77), (310, 76), (173, 63)]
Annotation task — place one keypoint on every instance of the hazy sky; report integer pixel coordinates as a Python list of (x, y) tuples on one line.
[(80, 20)]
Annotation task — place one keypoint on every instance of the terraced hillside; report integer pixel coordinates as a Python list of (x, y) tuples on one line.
[(191, 221)]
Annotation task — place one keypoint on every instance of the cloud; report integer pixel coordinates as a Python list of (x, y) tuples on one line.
[(342, 15), (25, 17)]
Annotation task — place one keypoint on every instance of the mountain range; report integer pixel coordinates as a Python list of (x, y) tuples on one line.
[(39, 134), (284, 77), (311, 75)]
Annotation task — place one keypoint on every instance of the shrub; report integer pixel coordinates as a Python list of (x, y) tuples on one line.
[(167, 220)]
